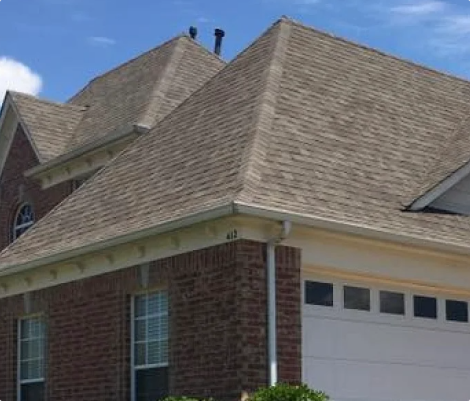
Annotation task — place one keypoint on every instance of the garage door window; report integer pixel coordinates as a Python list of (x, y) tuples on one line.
[(392, 303), (456, 311), (356, 298), (317, 293), (425, 307)]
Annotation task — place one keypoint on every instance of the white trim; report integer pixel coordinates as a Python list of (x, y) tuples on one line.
[(103, 142), (441, 188)]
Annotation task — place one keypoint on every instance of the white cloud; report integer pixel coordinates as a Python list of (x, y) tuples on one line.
[(101, 41), (18, 77), (419, 9), (456, 25)]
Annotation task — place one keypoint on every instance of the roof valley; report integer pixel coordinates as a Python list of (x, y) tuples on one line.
[(256, 152)]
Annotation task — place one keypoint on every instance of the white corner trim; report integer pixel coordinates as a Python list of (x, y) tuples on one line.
[(441, 188)]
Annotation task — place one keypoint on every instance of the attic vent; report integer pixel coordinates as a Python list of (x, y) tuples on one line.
[(193, 32), (219, 35)]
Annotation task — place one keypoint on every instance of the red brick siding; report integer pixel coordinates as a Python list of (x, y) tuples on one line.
[(20, 159), (217, 326)]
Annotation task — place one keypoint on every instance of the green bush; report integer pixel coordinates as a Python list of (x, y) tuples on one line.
[(181, 398), (286, 392)]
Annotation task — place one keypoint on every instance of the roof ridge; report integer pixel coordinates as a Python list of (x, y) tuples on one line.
[(299, 24), (164, 82), (256, 151), (125, 63)]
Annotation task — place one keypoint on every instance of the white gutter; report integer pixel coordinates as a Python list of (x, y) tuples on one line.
[(212, 214), (272, 312), (240, 208), (88, 147), (309, 220)]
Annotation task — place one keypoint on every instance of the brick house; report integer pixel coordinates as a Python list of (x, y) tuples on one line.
[(299, 214)]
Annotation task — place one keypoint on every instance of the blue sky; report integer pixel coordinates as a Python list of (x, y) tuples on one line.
[(53, 47)]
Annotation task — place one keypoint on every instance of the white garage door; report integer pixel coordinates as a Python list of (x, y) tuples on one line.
[(385, 344)]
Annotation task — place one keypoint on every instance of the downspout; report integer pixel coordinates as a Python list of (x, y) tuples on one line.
[(271, 283)]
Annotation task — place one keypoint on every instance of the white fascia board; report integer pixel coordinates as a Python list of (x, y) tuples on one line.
[(348, 228), (88, 147), (441, 188)]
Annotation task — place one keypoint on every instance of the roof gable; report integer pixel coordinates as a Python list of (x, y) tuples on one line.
[(49, 124)]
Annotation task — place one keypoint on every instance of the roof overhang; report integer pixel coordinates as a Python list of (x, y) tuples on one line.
[(87, 158), (242, 209)]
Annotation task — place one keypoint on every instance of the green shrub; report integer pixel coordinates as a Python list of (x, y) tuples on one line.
[(286, 392), (182, 398)]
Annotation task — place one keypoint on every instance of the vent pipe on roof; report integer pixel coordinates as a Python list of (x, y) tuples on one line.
[(193, 32), (219, 34)]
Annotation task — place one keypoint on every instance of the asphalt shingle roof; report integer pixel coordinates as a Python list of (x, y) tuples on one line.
[(141, 91), (50, 124), (302, 122)]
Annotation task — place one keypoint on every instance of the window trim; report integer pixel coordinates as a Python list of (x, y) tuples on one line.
[(134, 368), (14, 227), (19, 381)]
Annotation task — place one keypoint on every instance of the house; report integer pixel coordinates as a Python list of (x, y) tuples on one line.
[(300, 214)]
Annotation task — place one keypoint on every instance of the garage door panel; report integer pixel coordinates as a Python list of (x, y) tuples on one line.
[(366, 355), (332, 337), (351, 380)]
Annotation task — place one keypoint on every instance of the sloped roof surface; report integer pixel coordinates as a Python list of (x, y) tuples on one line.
[(50, 124), (301, 121), (143, 90)]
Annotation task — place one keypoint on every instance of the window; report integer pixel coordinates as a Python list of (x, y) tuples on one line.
[(318, 293), (392, 303), (24, 219), (356, 298), (150, 346), (425, 307), (31, 344), (456, 311)]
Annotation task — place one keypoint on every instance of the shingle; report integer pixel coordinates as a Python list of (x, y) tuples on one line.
[(50, 124), (301, 121), (143, 90)]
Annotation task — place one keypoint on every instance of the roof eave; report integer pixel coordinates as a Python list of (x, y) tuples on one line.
[(241, 208), (88, 147), (211, 214)]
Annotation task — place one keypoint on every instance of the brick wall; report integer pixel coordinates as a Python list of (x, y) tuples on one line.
[(16, 189), (217, 326)]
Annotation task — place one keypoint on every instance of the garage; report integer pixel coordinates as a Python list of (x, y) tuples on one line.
[(385, 343)]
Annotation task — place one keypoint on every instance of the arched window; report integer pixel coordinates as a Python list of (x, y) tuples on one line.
[(23, 220)]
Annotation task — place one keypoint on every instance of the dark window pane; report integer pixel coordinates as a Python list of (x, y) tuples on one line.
[(318, 293), (392, 302), (457, 311), (356, 298), (425, 307), (151, 384), (32, 392)]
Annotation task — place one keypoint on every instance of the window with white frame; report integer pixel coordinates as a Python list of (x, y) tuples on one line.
[(24, 219), (150, 346), (31, 345)]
